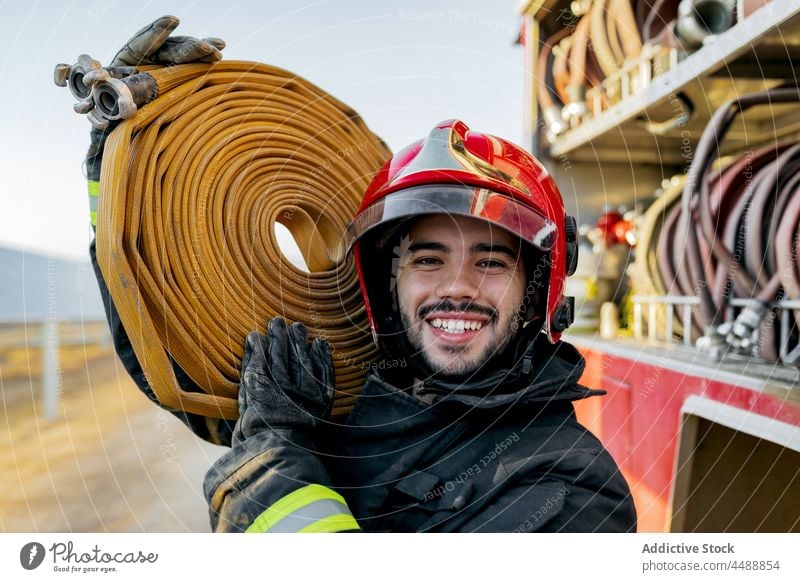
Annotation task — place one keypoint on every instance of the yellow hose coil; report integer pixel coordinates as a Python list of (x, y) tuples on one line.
[(191, 188), (647, 280)]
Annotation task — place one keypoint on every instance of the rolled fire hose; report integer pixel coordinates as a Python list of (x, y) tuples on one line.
[(191, 188)]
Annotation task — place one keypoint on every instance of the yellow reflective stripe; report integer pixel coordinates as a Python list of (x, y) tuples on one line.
[(290, 503), (94, 193), (332, 524)]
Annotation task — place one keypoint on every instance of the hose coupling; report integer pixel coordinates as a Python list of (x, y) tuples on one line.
[(552, 118), (699, 19), (742, 332)]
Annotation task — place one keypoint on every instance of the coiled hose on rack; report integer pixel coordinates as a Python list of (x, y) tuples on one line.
[(572, 70), (191, 188), (602, 51), (604, 38), (732, 234)]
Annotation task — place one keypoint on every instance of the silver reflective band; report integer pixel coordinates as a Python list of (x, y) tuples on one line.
[(308, 514), (520, 219)]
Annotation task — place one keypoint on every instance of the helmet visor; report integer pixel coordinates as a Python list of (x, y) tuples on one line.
[(520, 219)]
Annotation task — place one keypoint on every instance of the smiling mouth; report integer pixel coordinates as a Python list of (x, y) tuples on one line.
[(456, 326)]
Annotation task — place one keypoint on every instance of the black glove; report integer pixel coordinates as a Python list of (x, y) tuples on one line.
[(285, 382), (153, 45)]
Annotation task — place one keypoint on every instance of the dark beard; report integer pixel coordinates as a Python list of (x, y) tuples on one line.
[(505, 333)]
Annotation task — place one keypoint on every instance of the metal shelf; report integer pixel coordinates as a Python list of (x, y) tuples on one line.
[(753, 374), (756, 53)]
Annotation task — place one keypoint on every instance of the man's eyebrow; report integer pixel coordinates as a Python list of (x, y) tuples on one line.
[(428, 246), (491, 248)]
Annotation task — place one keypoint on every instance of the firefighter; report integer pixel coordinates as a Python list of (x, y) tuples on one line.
[(462, 248)]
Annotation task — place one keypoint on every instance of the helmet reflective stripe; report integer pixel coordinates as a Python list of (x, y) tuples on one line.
[(313, 508)]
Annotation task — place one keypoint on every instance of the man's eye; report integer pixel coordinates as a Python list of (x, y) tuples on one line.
[(492, 264), (427, 261)]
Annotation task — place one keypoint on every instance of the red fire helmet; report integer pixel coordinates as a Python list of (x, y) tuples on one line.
[(458, 171)]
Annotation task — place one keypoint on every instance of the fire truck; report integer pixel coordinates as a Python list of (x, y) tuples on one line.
[(670, 126)]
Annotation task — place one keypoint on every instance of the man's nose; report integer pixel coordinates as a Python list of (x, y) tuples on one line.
[(458, 283)]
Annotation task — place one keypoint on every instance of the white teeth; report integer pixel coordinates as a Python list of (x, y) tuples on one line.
[(456, 326)]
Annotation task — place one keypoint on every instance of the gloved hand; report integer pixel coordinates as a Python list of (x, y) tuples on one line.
[(151, 45), (286, 382)]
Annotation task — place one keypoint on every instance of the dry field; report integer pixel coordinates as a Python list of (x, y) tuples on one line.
[(110, 462)]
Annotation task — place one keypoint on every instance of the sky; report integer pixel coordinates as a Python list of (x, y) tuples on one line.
[(404, 66)]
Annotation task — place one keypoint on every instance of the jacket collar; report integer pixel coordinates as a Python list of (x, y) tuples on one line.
[(544, 373)]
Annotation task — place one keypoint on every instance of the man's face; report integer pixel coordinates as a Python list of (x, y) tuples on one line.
[(460, 284)]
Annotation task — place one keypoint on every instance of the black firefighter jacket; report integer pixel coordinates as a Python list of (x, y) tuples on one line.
[(502, 462)]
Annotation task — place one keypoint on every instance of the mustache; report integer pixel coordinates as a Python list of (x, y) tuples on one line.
[(463, 307)]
